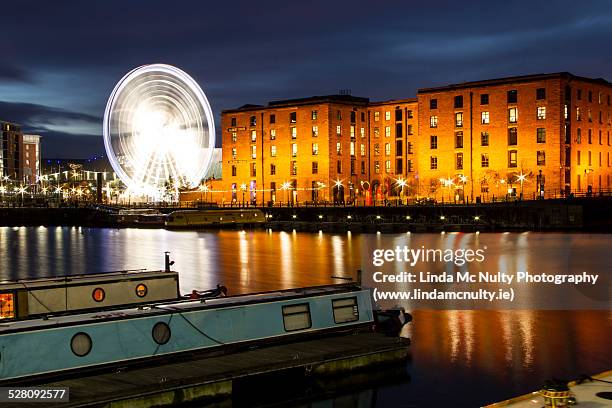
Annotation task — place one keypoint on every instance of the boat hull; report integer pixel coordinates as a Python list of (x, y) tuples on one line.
[(36, 348)]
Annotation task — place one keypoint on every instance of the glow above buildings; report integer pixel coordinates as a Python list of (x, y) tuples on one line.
[(158, 130)]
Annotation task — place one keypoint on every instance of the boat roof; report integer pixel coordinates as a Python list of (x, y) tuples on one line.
[(168, 307), (84, 278)]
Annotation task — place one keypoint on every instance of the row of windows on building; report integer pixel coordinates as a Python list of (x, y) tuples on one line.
[(398, 115), (293, 167), (433, 143), (484, 160), (352, 149), (512, 160), (315, 132), (484, 138), (590, 159), (590, 115), (314, 115), (590, 137), (512, 98), (485, 117)]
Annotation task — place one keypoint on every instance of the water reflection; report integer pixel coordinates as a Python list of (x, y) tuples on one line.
[(473, 357)]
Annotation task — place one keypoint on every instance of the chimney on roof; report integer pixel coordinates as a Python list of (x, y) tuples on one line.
[(344, 92)]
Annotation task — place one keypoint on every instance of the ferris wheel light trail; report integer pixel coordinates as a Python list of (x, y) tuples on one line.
[(158, 130)]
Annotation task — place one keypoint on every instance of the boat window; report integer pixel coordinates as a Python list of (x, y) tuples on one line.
[(345, 310), (141, 290), (81, 344), (297, 317), (7, 306), (98, 294), (161, 333)]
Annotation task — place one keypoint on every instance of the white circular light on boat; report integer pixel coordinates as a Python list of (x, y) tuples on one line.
[(158, 130)]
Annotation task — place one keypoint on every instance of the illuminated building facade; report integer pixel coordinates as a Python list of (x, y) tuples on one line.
[(11, 150), (539, 135), (543, 135), (301, 150), (394, 128), (31, 158)]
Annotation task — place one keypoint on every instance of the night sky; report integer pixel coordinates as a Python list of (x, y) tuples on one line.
[(61, 59)]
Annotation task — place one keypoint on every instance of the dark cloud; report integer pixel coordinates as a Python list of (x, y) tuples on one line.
[(246, 52), (9, 73), (39, 119), (33, 115), (68, 145)]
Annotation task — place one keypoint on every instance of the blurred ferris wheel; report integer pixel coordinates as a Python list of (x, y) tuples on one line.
[(159, 131)]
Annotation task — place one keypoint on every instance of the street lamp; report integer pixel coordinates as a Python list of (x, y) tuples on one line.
[(463, 179), (338, 185), (521, 177), (402, 183), (321, 186), (203, 189), (285, 186), (243, 188), (21, 190), (447, 183)]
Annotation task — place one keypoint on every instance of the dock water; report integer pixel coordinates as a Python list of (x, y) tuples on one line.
[(217, 379)]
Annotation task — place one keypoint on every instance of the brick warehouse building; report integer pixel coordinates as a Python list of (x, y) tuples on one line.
[(295, 150), (545, 134), (481, 138)]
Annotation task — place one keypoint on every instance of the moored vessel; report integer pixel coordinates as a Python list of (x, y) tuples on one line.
[(142, 322), (214, 218)]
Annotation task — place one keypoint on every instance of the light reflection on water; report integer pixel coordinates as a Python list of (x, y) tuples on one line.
[(473, 357)]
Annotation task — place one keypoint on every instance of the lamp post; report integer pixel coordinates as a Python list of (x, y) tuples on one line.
[(447, 183), (321, 186), (203, 190), (540, 185), (285, 187), (243, 188), (521, 177), (402, 183), (502, 182), (21, 190), (463, 179), (338, 185)]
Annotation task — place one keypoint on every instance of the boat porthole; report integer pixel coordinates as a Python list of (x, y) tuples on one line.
[(81, 344), (98, 294), (141, 290), (161, 333)]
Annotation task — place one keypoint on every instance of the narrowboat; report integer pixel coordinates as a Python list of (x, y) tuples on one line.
[(140, 217), (213, 218), (66, 326)]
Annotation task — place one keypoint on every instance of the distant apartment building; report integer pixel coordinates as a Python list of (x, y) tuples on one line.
[(11, 150), (31, 158), (539, 135)]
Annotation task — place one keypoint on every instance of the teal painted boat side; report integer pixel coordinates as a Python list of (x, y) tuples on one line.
[(48, 349)]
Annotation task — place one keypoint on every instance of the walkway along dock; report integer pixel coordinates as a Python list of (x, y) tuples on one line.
[(216, 378), (580, 214)]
